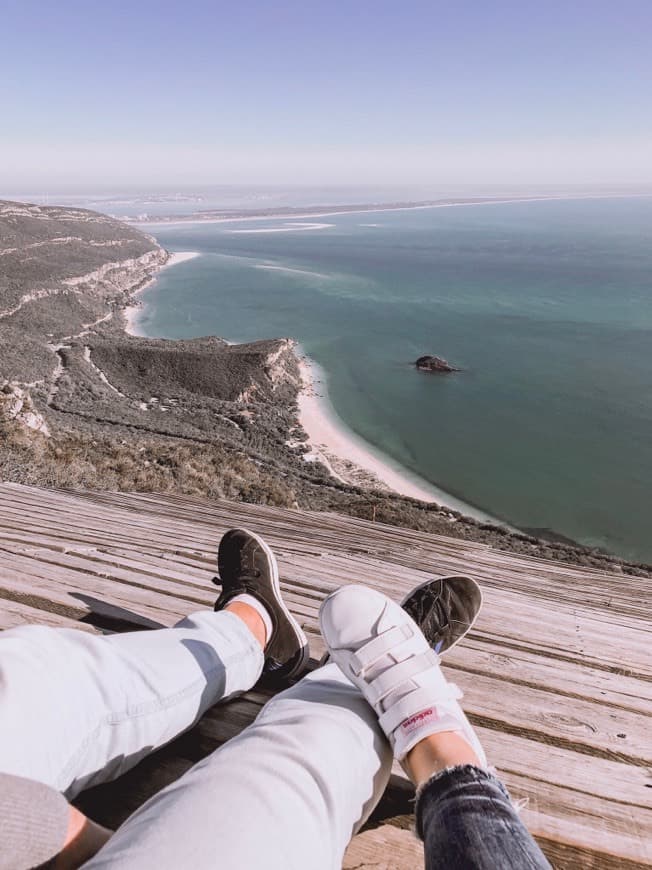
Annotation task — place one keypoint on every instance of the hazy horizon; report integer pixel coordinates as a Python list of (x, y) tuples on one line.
[(167, 200), (422, 94)]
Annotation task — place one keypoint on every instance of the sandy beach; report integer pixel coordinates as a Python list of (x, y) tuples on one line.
[(132, 312), (347, 456), (350, 459)]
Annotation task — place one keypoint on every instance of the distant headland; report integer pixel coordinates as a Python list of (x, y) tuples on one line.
[(229, 215)]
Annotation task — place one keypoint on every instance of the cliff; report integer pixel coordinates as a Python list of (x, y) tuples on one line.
[(84, 405), (62, 271), (67, 368)]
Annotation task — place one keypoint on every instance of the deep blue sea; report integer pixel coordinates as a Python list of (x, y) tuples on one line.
[(545, 306)]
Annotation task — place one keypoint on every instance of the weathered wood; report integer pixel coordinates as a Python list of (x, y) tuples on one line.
[(13, 614), (557, 672), (383, 848)]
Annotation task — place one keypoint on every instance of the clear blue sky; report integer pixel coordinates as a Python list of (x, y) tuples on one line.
[(326, 92)]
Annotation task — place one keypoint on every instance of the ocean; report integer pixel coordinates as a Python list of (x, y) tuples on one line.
[(546, 307)]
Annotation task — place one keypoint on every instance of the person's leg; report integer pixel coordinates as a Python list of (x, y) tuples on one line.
[(466, 819), (289, 792), (464, 813), (77, 709), (308, 772)]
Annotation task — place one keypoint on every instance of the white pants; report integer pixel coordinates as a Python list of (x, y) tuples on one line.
[(288, 792)]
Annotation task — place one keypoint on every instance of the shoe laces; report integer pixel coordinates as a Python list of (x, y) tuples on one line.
[(251, 574)]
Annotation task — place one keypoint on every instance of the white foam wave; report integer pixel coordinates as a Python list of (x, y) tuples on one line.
[(286, 228), (269, 267)]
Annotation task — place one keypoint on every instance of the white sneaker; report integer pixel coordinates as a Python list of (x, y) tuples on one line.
[(380, 648)]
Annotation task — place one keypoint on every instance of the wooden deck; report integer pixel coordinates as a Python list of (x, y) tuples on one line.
[(556, 673)]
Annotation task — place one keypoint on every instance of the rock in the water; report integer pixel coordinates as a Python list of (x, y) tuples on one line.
[(434, 364)]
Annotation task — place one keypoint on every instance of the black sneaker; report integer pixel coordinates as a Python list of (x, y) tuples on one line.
[(246, 564), (444, 609)]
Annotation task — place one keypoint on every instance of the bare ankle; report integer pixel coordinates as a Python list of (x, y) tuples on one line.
[(437, 752), (251, 618)]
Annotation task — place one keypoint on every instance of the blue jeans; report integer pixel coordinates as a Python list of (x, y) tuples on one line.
[(467, 822)]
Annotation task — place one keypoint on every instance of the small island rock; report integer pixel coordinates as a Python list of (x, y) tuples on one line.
[(429, 363)]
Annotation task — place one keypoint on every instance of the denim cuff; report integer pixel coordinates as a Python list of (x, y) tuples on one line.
[(450, 777)]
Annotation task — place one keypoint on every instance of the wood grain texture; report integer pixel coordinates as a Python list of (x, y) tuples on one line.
[(557, 672)]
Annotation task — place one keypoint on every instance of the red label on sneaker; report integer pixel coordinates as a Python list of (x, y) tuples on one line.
[(429, 715)]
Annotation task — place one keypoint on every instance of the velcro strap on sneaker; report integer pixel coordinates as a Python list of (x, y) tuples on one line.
[(415, 703), (374, 649), (393, 677)]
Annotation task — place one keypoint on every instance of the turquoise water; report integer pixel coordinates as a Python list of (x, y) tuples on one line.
[(546, 306)]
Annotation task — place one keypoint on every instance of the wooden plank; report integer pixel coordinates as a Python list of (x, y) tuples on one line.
[(80, 598), (575, 723), (523, 667), (562, 818), (556, 669), (14, 614), (383, 848)]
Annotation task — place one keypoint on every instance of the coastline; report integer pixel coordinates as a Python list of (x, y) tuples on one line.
[(347, 456), (99, 443), (134, 310), (335, 211), (352, 460)]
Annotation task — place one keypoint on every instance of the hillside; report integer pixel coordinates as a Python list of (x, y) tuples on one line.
[(556, 672), (62, 271), (84, 405)]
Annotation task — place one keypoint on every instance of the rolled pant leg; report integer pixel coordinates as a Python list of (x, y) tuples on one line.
[(467, 821), (288, 792), (77, 709)]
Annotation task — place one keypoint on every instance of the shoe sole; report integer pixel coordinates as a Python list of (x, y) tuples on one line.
[(467, 581), (276, 586)]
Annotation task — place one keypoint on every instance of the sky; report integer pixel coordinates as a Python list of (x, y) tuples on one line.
[(339, 92)]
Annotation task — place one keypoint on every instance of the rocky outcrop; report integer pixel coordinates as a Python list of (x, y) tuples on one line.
[(121, 277), (16, 404), (429, 363), (281, 365), (45, 251)]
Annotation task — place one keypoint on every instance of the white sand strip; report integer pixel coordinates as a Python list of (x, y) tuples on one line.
[(133, 312), (351, 459), (365, 209), (131, 315), (286, 228), (180, 257)]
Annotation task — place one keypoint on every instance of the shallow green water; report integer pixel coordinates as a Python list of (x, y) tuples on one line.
[(546, 306)]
